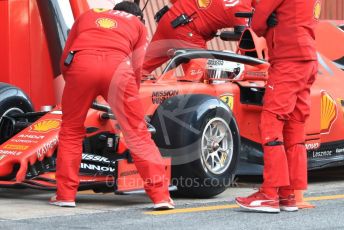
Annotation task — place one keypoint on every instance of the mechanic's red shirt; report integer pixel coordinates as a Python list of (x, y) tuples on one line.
[(99, 29), (293, 38), (211, 15)]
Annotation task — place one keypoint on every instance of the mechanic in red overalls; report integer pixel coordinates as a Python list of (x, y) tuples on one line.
[(190, 24), (293, 59), (109, 47)]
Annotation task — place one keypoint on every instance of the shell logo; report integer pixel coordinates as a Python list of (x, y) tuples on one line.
[(328, 112), (106, 23), (317, 10), (46, 125), (203, 4)]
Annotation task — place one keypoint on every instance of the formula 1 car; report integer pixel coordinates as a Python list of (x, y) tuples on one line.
[(28, 152), (203, 121)]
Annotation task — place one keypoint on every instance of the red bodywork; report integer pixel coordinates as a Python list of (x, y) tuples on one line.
[(27, 61), (38, 142)]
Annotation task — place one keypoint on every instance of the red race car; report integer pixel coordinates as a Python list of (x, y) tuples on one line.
[(204, 120)]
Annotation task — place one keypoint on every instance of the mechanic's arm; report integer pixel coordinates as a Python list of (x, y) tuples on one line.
[(139, 54), (263, 10)]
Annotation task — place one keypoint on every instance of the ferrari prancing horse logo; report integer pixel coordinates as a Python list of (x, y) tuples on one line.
[(228, 99), (100, 10)]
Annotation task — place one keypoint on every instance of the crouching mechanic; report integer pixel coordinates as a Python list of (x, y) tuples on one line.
[(286, 107), (190, 24), (104, 54)]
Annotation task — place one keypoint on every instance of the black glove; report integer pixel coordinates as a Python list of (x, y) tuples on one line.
[(161, 13), (272, 20)]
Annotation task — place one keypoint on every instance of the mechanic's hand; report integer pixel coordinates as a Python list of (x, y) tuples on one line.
[(161, 13), (272, 20)]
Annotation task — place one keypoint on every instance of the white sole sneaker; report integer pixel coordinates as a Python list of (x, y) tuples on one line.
[(289, 209), (164, 205), (60, 203), (260, 209)]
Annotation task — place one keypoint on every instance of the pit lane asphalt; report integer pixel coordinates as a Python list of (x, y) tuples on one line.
[(28, 209)]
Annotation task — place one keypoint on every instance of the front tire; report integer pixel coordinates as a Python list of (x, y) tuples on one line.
[(205, 151), (12, 101)]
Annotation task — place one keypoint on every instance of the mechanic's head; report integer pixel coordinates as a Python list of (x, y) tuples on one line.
[(131, 8)]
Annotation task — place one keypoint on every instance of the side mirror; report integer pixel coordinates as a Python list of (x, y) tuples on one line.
[(233, 35)]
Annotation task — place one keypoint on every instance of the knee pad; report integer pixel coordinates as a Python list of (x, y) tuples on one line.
[(293, 133)]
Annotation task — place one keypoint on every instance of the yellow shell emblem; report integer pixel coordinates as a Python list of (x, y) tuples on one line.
[(203, 4), (106, 23), (46, 126), (328, 112), (317, 10)]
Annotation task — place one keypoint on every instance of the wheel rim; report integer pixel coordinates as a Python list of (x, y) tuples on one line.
[(217, 146), (11, 111)]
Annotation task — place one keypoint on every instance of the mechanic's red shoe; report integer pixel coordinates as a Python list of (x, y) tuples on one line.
[(288, 204), (164, 205), (62, 203), (259, 201)]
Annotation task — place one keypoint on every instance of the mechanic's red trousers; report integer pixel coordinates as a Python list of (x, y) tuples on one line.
[(109, 74), (285, 110), (166, 38)]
